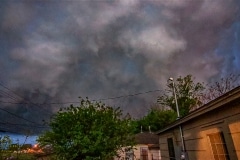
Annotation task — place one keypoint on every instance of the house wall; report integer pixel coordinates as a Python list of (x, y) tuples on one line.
[(225, 119), (153, 153)]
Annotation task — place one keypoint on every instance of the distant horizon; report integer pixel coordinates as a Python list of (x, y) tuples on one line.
[(20, 138)]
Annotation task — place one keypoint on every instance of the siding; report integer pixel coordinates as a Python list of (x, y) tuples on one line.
[(224, 118)]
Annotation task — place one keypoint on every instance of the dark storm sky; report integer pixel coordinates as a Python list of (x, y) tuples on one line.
[(55, 51)]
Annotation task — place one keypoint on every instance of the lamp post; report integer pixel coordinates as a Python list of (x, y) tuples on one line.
[(183, 154), (175, 97)]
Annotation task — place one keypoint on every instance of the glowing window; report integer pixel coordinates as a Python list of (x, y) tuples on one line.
[(218, 145)]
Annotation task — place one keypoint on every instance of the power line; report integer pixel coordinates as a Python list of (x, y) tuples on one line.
[(8, 95), (10, 131), (72, 102), (130, 95), (12, 102), (15, 115), (10, 90), (10, 125), (109, 98), (28, 102), (102, 99), (24, 125)]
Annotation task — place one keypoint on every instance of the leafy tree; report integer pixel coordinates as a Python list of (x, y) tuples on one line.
[(188, 95), (87, 132), (5, 142), (155, 120)]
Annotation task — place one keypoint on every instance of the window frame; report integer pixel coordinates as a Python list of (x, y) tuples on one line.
[(171, 149), (218, 146), (144, 155)]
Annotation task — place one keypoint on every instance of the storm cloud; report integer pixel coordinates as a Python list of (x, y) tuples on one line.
[(56, 51)]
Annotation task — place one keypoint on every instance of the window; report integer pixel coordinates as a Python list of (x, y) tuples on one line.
[(129, 154), (144, 154), (171, 149), (218, 145)]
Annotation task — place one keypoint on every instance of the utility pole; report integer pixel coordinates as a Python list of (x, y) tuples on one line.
[(183, 154)]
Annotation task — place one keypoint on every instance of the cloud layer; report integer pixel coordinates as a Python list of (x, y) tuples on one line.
[(100, 49)]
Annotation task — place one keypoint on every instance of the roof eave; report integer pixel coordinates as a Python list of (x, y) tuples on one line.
[(212, 105)]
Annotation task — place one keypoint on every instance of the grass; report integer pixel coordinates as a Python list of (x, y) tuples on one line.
[(18, 156)]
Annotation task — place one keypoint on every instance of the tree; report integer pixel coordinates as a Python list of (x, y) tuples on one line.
[(89, 131), (5, 142), (218, 88), (156, 119), (187, 92)]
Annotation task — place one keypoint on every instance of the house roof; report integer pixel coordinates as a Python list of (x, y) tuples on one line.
[(229, 97), (146, 138)]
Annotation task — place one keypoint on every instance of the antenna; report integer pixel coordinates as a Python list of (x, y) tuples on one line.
[(149, 127)]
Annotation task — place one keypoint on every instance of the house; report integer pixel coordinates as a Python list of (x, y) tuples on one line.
[(146, 148), (211, 132)]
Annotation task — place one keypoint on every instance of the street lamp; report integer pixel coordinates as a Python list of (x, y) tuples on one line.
[(183, 155), (175, 97)]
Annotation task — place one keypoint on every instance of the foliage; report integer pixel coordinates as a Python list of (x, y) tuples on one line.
[(89, 131), (156, 119), (5, 142), (188, 95), (7, 150), (23, 156)]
